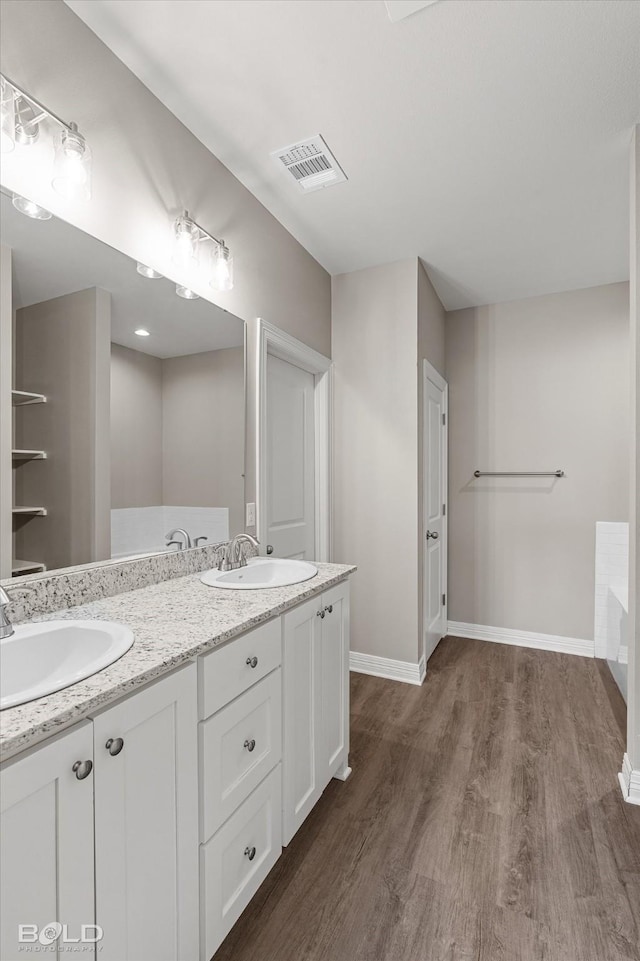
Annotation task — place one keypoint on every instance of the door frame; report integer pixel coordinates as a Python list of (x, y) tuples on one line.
[(272, 340), (430, 373)]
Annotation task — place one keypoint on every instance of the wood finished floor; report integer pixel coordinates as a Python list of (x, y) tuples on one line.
[(483, 821)]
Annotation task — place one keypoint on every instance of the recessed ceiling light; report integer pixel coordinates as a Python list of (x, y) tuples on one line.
[(141, 332), (148, 272), (186, 293)]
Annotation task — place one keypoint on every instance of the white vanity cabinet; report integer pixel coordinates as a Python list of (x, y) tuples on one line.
[(46, 844), (316, 701), (126, 782), (158, 818), (240, 741), (146, 822)]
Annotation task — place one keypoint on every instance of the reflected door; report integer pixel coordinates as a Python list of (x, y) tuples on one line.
[(290, 454)]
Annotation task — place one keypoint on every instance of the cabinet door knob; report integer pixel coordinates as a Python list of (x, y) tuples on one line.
[(250, 744), (252, 661), (329, 609), (320, 613), (82, 769), (250, 853), (114, 745)]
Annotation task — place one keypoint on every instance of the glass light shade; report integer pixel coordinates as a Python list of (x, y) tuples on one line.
[(222, 277), (148, 272), (185, 251), (142, 332), (72, 166), (7, 117), (29, 209), (186, 293)]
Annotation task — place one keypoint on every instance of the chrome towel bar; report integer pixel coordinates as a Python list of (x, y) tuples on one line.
[(518, 473)]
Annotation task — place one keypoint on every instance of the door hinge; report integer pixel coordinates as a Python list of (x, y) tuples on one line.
[(444, 510), (444, 419), (444, 599)]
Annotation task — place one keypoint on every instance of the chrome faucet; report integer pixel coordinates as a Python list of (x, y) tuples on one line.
[(182, 545), (6, 627), (232, 557)]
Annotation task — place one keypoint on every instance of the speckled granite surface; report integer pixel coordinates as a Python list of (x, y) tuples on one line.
[(36, 594), (173, 621)]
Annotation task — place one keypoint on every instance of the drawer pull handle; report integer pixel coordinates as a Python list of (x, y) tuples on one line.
[(329, 609), (250, 853), (82, 769), (114, 745), (320, 613), (252, 662), (250, 745)]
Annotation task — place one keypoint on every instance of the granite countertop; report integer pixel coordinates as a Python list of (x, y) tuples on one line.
[(173, 621)]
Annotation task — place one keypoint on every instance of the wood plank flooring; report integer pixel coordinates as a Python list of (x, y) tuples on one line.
[(483, 821)]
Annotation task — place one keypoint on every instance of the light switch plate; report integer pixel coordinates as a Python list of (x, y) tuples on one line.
[(251, 515)]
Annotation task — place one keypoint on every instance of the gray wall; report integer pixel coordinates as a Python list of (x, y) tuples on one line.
[(536, 384), (177, 430), (62, 351), (136, 428), (147, 168), (203, 431), (380, 317)]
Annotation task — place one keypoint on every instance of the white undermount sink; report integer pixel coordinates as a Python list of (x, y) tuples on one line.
[(41, 658), (261, 572)]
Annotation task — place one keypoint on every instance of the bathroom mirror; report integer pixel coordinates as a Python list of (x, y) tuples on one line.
[(126, 400)]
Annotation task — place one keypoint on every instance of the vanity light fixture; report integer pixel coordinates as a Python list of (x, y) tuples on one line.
[(142, 332), (186, 293), (21, 119), (188, 235), (148, 272), (29, 208)]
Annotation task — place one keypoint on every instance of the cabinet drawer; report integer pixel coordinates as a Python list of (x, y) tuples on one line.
[(230, 670), (238, 746), (235, 862)]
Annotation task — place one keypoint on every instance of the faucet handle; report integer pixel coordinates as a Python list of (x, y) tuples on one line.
[(196, 540)]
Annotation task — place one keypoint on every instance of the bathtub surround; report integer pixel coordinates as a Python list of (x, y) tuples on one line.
[(143, 529), (535, 384), (612, 579), (386, 320)]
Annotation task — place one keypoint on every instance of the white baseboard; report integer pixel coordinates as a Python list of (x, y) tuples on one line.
[(541, 642), (629, 782), (405, 671)]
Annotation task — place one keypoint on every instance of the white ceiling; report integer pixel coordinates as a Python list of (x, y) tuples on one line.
[(490, 138), (51, 258)]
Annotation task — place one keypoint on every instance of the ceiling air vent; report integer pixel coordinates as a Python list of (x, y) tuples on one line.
[(310, 163)]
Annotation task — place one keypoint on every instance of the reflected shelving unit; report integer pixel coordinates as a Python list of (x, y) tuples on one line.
[(19, 456)]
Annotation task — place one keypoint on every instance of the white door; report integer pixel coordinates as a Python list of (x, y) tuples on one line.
[(290, 460), (301, 693), (434, 509), (146, 823), (334, 655), (46, 835)]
